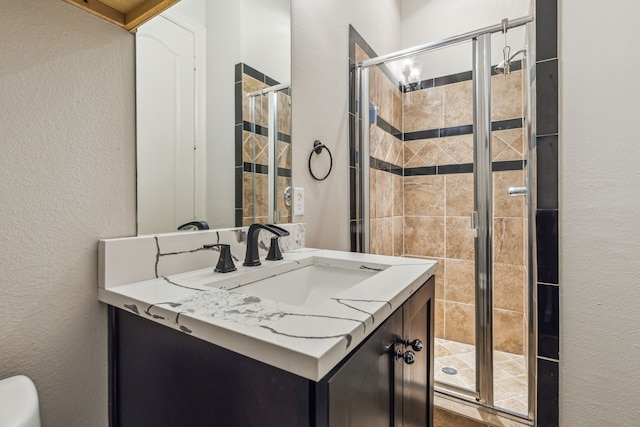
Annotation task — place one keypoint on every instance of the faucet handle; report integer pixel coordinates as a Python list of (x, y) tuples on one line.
[(225, 262), (274, 250)]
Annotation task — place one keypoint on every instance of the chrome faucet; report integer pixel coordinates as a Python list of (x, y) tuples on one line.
[(251, 258)]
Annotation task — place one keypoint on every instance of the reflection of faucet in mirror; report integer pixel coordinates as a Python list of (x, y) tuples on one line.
[(194, 225), (190, 139)]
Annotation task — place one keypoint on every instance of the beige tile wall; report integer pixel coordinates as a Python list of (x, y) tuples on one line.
[(386, 189), (429, 216), (442, 205)]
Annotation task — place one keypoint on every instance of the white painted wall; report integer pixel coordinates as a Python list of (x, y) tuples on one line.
[(320, 84), (266, 37), (599, 206), (224, 50), (67, 179), (256, 32)]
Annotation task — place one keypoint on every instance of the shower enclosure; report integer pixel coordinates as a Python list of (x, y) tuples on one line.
[(442, 173), (263, 148)]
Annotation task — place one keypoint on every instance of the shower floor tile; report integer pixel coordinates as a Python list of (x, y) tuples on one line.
[(510, 373)]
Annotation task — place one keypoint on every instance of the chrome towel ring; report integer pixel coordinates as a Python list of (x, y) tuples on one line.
[(317, 149)]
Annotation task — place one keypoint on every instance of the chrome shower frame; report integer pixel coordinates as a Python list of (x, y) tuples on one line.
[(483, 216)]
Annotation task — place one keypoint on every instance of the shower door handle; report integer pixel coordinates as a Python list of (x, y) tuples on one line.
[(517, 191)]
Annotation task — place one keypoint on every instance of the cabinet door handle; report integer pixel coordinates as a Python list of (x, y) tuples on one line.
[(409, 357), (416, 345)]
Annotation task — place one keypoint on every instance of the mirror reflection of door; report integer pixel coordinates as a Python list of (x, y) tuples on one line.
[(166, 149)]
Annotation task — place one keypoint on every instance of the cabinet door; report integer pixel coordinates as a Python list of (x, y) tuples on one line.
[(417, 399), (362, 392)]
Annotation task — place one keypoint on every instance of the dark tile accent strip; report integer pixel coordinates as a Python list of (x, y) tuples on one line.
[(453, 78), (238, 103), (252, 72), (238, 143), (547, 245), (264, 169), (438, 81), (387, 127), (506, 124), (353, 235), (508, 165), (271, 82), (547, 173), (239, 214), (255, 168), (239, 189), (352, 143), (385, 166), (421, 134), (548, 394), (412, 87), (262, 130), (450, 169), (548, 321), (352, 200), (460, 130), (547, 97), (252, 127), (425, 170), (286, 173), (238, 73), (546, 29), (352, 85), (456, 130), (284, 137)]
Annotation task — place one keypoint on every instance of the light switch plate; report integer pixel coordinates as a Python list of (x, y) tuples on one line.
[(298, 201)]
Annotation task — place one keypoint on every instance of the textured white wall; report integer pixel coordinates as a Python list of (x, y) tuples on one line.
[(67, 179), (320, 84), (599, 207)]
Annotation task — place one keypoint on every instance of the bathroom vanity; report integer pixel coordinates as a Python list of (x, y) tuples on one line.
[(320, 338)]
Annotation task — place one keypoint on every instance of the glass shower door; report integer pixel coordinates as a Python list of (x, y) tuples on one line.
[(421, 188)]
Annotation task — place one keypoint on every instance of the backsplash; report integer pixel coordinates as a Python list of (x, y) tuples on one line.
[(133, 259)]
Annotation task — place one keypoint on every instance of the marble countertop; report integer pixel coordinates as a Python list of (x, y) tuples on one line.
[(305, 340)]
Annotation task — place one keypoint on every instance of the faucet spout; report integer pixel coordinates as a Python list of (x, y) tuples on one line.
[(251, 258)]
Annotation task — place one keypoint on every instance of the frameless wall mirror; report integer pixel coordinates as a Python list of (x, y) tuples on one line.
[(213, 103)]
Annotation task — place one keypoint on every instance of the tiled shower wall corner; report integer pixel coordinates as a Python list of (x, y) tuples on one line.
[(421, 193), (252, 157)]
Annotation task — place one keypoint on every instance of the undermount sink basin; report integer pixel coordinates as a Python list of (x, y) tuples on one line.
[(309, 282)]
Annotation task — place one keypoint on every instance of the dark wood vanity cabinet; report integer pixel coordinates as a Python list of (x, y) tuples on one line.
[(161, 377)]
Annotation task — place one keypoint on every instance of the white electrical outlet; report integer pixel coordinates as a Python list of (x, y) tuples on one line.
[(298, 201)]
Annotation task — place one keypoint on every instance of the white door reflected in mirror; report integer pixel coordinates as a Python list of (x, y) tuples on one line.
[(200, 154)]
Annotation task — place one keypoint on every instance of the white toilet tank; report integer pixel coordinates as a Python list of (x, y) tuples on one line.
[(19, 403)]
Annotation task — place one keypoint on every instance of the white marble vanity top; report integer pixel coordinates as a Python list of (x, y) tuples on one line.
[(305, 340)]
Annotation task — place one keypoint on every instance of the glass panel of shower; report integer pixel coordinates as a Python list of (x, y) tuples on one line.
[(443, 143), (509, 155)]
